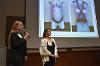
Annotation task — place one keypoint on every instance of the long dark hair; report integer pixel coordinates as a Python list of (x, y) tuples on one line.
[(45, 31)]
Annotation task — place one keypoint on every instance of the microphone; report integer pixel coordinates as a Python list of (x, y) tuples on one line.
[(26, 33)]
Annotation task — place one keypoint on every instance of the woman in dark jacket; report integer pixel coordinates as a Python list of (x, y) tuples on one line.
[(18, 44)]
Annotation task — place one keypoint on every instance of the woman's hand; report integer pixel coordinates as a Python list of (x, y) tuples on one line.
[(26, 58), (52, 55), (27, 36), (55, 56)]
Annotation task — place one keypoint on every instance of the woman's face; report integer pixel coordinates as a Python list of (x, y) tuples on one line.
[(48, 33), (20, 26)]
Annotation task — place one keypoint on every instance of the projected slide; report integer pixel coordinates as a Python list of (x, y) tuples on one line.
[(68, 18)]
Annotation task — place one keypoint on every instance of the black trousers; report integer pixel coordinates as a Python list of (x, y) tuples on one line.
[(51, 62), (17, 59)]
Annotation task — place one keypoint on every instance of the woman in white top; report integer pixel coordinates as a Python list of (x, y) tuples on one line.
[(48, 49)]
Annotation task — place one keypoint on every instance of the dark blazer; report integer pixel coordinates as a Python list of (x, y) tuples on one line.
[(18, 43)]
